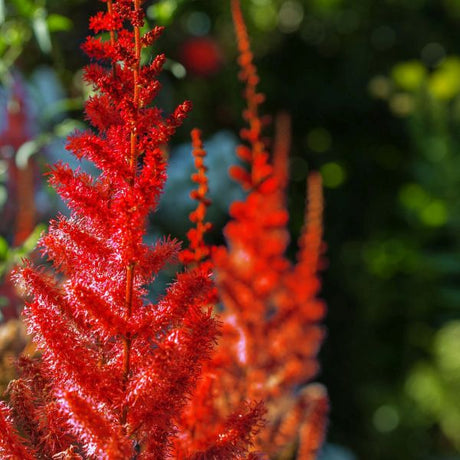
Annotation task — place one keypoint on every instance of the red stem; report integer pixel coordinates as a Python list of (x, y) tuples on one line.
[(112, 33), (127, 342), (110, 11)]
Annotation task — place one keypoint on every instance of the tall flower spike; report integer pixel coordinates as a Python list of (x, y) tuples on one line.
[(257, 154), (116, 371), (204, 432), (271, 334), (198, 250), (20, 204), (310, 243), (313, 428)]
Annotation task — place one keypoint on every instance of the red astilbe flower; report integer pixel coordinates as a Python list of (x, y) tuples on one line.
[(204, 433), (198, 251), (115, 370), (20, 208), (19, 214), (270, 335)]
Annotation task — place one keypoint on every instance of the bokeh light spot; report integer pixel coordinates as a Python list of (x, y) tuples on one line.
[(290, 16), (162, 12), (434, 214), (265, 18), (386, 419), (412, 196), (432, 53), (409, 76), (178, 70), (437, 148), (447, 346), (198, 23), (380, 87), (423, 386), (445, 81), (334, 175), (401, 104)]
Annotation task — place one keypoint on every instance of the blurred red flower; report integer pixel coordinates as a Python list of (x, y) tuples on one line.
[(201, 56)]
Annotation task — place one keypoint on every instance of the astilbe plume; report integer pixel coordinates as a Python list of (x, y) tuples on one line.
[(271, 332), (19, 212), (115, 371), (198, 251), (202, 433)]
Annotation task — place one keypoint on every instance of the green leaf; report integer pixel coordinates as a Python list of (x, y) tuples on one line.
[(30, 243), (3, 195), (2, 11), (4, 248), (162, 12), (410, 75), (40, 26), (25, 8), (57, 22), (25, 151), (67, 127)]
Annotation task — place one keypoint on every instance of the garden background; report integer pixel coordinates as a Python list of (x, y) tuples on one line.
[(373, 90)]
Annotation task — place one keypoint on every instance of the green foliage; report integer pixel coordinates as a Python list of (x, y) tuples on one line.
[(434, 385), (13, 256), (163, 12), (24, 21)]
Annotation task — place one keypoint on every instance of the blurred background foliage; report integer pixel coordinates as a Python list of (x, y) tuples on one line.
[(373, 89)]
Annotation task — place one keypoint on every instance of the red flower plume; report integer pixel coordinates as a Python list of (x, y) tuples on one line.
[(115, 370), (270, 335)]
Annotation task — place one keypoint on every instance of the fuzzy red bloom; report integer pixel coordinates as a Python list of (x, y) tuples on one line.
[(198, 250), (115, 370), (11, 444), (203, 431), (270, 336)]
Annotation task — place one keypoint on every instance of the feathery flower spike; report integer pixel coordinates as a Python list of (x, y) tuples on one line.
[(271, 334), (198, 250), (115, 371)]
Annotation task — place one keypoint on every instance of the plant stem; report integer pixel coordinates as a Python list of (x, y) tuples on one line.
[(127, 342), (110, 11), (112, 33)]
